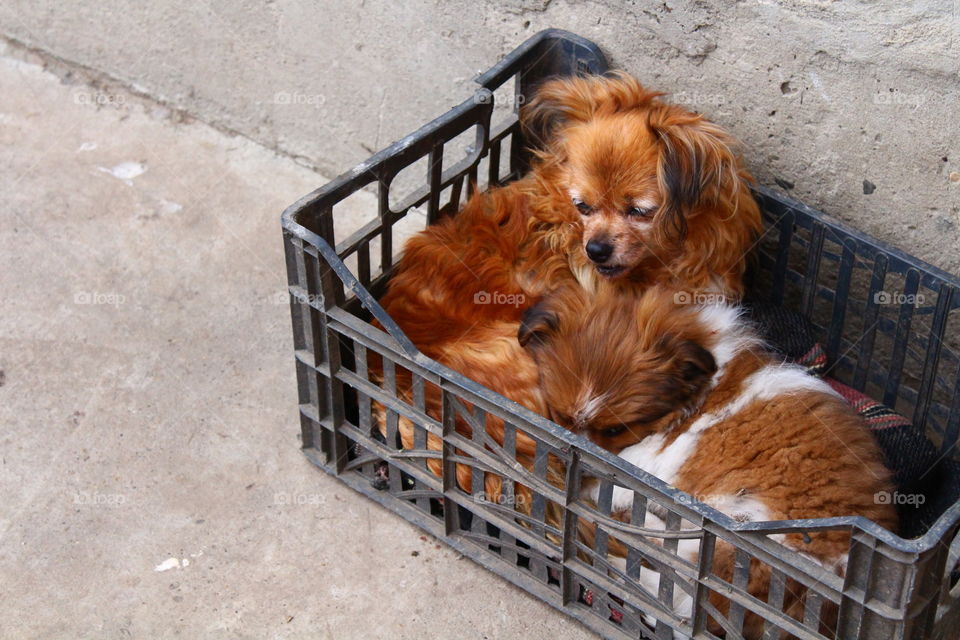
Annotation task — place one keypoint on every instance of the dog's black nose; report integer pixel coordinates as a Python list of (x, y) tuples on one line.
[(599, 251)]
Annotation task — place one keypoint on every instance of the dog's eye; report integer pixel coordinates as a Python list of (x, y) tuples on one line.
[(637, 212), (583, 207), (613, 432)]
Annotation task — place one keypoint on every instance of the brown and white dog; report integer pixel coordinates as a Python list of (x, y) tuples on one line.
[(625, 192), (689, 394)]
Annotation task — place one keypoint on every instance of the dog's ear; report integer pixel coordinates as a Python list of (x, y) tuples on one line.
[(538, 323), (696, 364), (693, 366), (578, 99), (697, 164)]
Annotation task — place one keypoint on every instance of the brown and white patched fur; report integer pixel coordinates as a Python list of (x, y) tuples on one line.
[(689, 394)]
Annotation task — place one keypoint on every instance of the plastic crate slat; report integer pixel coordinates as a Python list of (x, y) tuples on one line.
[(307, 434), (434, 178), (493, 168), (811, 609), (363, 264), (775, 593), (812, 270), (931, 360), (840, 301), (870, 315), (472, 176), (420, 438), (539, 509), (311, 334), (638, 513), (326, 350), (741, 574), (666, 584), (674, 524), (518, 160), (320, 278), (386, 225), (604, 501), (900, 341), (478, 472), (363, 400), (785, 224), (701, 593), (455, 191), (419, 433), (509, 549), (293, 255), (418, 393)]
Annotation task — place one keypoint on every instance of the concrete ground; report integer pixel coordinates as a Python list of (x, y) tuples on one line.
[(154, 487)]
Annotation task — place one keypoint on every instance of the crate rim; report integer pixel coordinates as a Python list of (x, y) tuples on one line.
[(290, 221)]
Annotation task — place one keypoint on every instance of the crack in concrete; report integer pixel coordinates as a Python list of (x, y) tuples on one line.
[(72, 72)]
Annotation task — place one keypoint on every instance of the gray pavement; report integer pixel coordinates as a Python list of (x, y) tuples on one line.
[(150, 465)]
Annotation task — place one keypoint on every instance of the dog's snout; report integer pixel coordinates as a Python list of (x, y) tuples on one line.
[(599, 250)]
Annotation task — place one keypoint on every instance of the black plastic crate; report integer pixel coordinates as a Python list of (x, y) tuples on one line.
[(836, 276)]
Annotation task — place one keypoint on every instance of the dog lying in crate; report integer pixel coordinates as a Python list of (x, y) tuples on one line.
[(689, 394), (627, 194)]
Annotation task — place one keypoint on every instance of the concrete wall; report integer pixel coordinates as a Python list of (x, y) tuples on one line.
[(854, 103)]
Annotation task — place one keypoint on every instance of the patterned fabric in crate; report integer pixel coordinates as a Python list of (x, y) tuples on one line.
[(918, 467)]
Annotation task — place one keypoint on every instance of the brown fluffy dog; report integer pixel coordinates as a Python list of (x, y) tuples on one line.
[(690, 395), (630, 190), (626, 191)]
